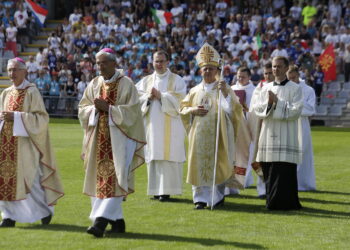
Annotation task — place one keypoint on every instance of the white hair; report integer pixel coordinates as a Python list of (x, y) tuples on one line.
[(110, 56), (15, 61)]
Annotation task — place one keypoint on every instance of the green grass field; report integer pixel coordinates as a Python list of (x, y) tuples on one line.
[(243, 222)]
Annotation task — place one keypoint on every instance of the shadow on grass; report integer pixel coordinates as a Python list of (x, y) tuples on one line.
[(312, 200), (201, 241), (57, 227), (305, 199), (328, 129), (325, 192), (146, 236)]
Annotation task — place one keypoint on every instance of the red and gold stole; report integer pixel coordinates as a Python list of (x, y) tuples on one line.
[(8, 149), (106, 176)]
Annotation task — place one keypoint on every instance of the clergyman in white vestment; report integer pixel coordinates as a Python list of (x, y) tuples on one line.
[(29, 182), (110, 114), (306, 169), (160, 96)]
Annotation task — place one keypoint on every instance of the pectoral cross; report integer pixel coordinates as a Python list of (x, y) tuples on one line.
[(274, 136)]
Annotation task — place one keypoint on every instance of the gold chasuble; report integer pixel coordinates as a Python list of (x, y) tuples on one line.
[(202, 136), (8, 150), (23, 157), (104, 145)]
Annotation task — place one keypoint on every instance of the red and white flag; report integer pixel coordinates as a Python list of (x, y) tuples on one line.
[(39, 12)]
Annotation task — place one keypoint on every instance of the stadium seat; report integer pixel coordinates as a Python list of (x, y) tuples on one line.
[(326, 101), (330, 93), (334, 86), (335, 110), (344, 94), (321, 110), (340, 101), (346, 86)]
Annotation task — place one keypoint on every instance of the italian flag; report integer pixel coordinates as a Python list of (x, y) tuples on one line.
[(161, 17), (256, 46)]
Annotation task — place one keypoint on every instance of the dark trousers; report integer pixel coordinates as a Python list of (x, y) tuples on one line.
[(281, 185), (347, 72), (318, 92)]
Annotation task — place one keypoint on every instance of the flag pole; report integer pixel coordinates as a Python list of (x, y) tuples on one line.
[(217, 136)]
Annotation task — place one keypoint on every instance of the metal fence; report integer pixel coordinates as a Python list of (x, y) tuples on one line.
[(61, 106)]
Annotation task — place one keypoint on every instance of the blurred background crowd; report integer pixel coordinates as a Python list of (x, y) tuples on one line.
[(246, 33)]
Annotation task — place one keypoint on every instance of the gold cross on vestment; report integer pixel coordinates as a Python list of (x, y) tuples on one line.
[(274, 136), (206, 54)]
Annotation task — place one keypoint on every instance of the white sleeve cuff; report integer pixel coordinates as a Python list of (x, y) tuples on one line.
[(18, 126), (93, 118), (1, 125), (110, 121), (226, 103)]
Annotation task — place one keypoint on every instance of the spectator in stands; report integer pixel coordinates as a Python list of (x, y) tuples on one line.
[(308, 12), (82, 86), (32, 69), (74, 17), (11, 38), (21, 18), (346, 58), (318, 82), (42, 84), (70, 91), (54, 93)]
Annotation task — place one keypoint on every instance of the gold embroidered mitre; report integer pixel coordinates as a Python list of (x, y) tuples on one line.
[(208, 56)]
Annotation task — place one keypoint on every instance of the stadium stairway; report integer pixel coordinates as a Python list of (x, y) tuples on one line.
[(334, 108), (31, 49)]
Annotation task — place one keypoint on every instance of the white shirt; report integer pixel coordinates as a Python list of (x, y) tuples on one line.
[(21, 18)]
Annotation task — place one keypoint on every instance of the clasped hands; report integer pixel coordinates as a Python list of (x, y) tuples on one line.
[(154, 95), (7, 116), (101, 104), (272, 97)]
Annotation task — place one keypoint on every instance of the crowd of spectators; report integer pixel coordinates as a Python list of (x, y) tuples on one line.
[(246, 33)]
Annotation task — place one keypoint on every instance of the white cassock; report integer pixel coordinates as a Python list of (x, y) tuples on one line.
[(204, 193), (165, 133), (306, 171), (250, 121), (34, 207)]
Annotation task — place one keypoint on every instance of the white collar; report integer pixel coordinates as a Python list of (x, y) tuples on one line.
[(240, 86), (162, 75), (23, 85), (113, 78)]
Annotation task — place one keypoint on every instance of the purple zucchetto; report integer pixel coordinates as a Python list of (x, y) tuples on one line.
[(108, 50), (18, 59)]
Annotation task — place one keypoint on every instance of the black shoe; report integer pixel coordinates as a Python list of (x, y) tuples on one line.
[(7, 223), (164, 197), (46, 220), (220, 203), (118, 226), (200, 205), (95, 231), (98, 228), (155, 197), (263, 196)]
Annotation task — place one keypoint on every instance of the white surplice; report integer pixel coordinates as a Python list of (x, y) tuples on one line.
[(165, 133), (280, 134), (306, 171)]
